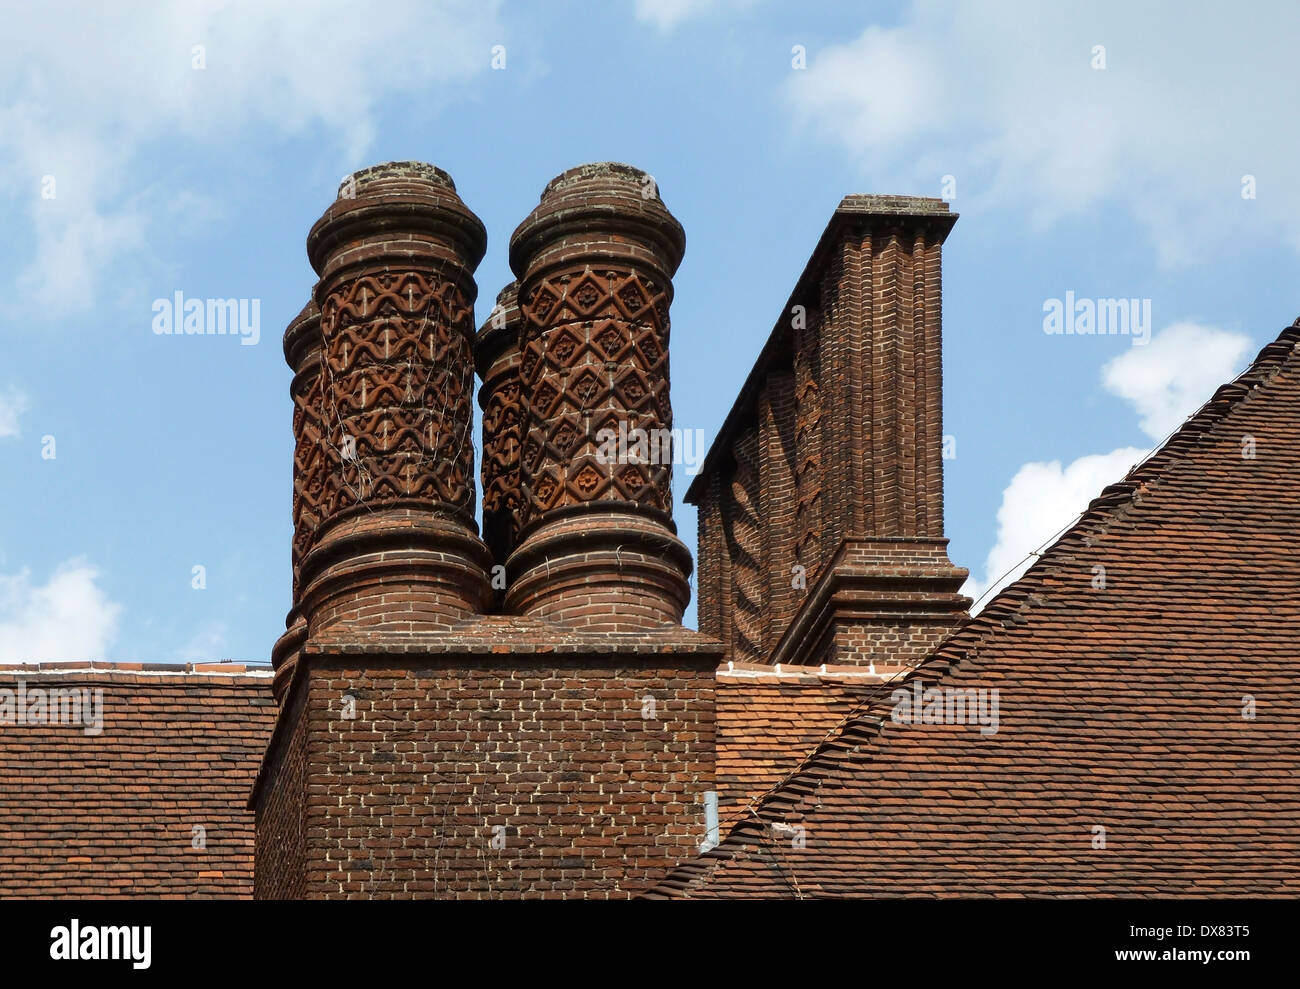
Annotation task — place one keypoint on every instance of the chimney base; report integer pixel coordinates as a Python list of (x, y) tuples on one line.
[(600, 570)]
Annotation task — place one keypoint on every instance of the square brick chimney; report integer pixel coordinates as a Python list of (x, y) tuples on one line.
[(821, 532)]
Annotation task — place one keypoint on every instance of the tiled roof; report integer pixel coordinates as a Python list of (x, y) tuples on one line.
[(114, 812), (1122, 695), (769, 719)]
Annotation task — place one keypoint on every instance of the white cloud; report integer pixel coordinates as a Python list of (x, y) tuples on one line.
[(69, 617), (1174, 375), (13, 403), (1039, 502), (1165, 381), (883, 87), (1003, 97), (94, 95), (207, 645), (667, 15)]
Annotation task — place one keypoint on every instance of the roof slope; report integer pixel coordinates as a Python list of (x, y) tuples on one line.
[(769, 719), (1121, 706), (113, 814)]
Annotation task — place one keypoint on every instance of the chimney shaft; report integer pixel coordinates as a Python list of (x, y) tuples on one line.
[(821, 503), (390, 542), (496, 354), (597, 546), (302, 352)]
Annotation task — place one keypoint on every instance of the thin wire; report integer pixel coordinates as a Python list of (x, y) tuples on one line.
[(1051, 540)]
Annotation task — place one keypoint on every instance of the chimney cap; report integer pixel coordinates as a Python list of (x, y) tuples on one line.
[(615, 170), (496, 334), (383, 204), (396, 171), (894, 205), (586, 202)]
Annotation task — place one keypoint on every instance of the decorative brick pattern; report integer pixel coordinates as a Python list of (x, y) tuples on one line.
[(594, 357), (808, 448), (396, 545), (496, 354), (302, 352), (398, 368), (596, 543)]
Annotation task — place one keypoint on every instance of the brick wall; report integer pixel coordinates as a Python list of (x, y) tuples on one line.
[(472, 777), (281, 850)]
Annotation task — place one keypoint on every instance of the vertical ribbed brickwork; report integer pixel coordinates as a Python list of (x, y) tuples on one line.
[(394, 543), (777, 469), (847, 486), (745, 544), (930, 404), (597, 547), (808, 439), (496, 355)]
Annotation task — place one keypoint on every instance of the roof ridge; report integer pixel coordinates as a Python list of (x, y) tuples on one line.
[(127, 666), (1013, 601)]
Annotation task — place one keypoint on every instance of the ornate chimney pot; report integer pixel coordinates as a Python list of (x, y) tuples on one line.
[(596, 545), (385, 537)]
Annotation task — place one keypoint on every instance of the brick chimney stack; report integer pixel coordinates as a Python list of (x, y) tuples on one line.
[(596, 546), (821, 502), (496, 355), (386, 538)]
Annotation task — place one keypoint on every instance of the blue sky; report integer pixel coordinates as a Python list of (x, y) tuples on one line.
[(1115, 173)]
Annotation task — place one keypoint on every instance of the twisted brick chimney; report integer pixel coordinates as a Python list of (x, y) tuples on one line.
[(596, 545), (821, 502)]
